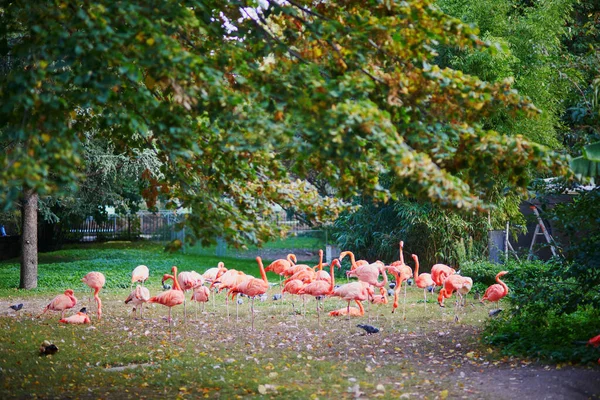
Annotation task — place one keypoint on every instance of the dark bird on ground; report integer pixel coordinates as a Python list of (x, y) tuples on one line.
[(166, 286), (17, 307), (392, 285), (390, 292), (368, 328), (277, 296), (430, 289), (495, 312), (83, 310), (48, 348)]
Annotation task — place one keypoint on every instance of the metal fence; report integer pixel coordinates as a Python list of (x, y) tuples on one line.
[(159, 226)]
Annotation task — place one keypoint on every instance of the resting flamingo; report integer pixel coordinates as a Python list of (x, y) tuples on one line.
[(95, 280), (138, 297), (61, 303), (80, 318), (140, 274), (422, 281), (321, 288), (172, 297), (353, 291), (252, 287), (496, 291)]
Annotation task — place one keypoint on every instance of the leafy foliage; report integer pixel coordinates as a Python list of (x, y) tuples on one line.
[(238, 103)]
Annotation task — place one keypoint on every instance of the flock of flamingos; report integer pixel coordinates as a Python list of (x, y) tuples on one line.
[(300, 279)]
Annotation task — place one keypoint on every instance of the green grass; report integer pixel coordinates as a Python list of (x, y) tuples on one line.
[(216, 356)]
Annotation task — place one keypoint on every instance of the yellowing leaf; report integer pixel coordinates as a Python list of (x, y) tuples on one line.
[(443, 394)]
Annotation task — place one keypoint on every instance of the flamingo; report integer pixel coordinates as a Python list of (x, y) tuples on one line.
[(320, 274), (62, 302), (355, 264), (422, 281), (370, 273), (189, 280), (439, 273), (226, 280), (210, 275), (172, 297), (138, 297), (461, 284), (380, 298), (293, 287), (140, 274), (281, 265), (321, 288), (496, 291), (80, 318), (595, 341), (252, 287), (201, 294), (95, 280), (357, 291), (401, 273)]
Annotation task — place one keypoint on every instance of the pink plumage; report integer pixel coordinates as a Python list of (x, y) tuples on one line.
[(95, 280), (79, 318), (140, 274), (61, 303)]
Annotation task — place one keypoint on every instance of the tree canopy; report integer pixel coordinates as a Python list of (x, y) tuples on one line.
[(241, 101)]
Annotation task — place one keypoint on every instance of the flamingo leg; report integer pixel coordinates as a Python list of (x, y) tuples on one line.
[(184, 309), (252, 310), (404, 305), (141, 311), (318, 312)]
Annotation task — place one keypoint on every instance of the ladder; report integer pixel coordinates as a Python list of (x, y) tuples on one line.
[(540, 229)]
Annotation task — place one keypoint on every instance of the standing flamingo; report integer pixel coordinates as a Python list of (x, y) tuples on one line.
[(201, 294), (61, 303), (422, 281), (80, 318), (172, 297), (95, 280), (319, 273), (354, 291), (189, 280), (439, 273), (293, 287), (282, 265), (461, 284), (321, 288), (253, 287), (226, 280), (210, 275), (138, 297), (140, 274), (402, 273), (496, 291), (355, 264), (370, 273)]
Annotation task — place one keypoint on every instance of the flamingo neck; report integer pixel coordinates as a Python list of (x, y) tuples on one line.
[(502, 284), (263, 274), (416, 267), (175, 282), (401, 252), (332, 284)]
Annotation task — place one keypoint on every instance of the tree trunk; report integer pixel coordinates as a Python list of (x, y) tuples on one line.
[(29, 251)]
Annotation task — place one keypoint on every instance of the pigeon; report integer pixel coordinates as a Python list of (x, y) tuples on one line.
[(430, 289), (277, 296), (368, 328), (240, 301), (166, 286), (263, 297), (392, 285), (48, 348), (17, 307), (83, 310), (390, 292), (495, 312)]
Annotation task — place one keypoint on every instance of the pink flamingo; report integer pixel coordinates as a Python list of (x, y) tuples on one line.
[(321, 288), (370, 273), (210, 275), (226, 280), (439, 273), (319, 273), (293, 287), (172, 297), (138, 297), (281, 265), (354, 291), (252, 287), (401, 273), (189, 280), (355, 264), (80, 318), (201, 294), (61, 303), (496, 291), (95, 280), (422, 281), (140, 274), (461, 284), (380, 298)]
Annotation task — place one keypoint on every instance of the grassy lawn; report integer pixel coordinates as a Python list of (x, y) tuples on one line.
[(417, 354)]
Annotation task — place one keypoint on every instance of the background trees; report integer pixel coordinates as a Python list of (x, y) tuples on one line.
[(240, 104)]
